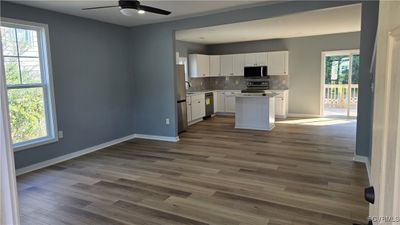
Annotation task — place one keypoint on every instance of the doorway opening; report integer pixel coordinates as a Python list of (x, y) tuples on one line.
[(340, 77)]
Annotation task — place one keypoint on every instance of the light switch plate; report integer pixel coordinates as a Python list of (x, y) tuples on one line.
[(60, 134)]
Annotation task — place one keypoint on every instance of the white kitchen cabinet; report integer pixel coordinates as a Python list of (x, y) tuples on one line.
[(230, 103), (199, 65), (238, 64), (215, 100), (220, 102), (189, 108), (282, 104), (226, 65), (215, 66), (278, 63), (279, 107), (198, 106), (256, 59), (225, 101)]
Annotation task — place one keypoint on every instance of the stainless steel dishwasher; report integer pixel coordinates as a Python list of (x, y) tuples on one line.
[(209, 104)]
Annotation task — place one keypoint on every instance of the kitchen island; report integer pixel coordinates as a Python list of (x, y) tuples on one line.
[(255, 111)]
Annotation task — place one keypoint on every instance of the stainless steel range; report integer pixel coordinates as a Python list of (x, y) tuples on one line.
[(256, 85)]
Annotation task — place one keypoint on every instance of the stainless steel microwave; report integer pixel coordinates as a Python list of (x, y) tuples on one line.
[(255, 72)]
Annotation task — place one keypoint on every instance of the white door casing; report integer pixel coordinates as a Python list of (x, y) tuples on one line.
[(385, 157), (9, 213)]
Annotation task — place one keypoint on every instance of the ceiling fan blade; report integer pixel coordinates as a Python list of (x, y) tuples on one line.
[(154, 10), (101, 7)]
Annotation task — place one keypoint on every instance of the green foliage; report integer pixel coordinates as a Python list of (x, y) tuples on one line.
[(27, 115), (26, 104), (343, 75)]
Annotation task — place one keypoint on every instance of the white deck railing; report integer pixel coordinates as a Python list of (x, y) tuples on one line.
[(336, 95)]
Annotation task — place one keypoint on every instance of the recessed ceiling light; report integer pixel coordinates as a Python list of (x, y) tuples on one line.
[(141, 11)]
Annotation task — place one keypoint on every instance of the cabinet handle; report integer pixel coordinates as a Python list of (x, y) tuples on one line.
[(198, 102)]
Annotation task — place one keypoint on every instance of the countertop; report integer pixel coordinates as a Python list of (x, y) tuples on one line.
[(206, 91), (256, 95)]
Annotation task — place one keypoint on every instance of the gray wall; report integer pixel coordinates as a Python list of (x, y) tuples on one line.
[(91, 81), (185, 48), (304, 63), (365, 103), (155, 85), (112, 81)]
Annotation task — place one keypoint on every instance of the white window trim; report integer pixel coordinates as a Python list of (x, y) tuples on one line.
[(47, 76)]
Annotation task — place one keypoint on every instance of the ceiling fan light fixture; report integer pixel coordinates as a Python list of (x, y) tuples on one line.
[(141, 11), (127, 11)]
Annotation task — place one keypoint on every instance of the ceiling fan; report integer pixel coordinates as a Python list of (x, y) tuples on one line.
[(129, 7)]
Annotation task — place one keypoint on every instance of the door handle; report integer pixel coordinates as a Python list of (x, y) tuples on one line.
[(369, 194)]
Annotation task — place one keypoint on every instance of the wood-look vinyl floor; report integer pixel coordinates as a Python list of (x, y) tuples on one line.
[(300, 173)]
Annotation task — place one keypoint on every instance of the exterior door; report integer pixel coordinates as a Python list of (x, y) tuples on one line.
[(340, 77), (385, 158)]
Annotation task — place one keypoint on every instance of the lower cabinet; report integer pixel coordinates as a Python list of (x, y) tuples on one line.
[(230, 102), (189, 108), (225, 102), (195, 107), (220, 102), (279, 107), (282, 105)]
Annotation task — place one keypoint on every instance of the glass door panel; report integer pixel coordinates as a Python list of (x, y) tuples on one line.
[(341, 85)]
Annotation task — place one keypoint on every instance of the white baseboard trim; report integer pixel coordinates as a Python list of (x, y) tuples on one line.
[(225, 113), (303, 115), (85, 151), (156, 137), (365, 160), (72, 155), (195, 121)]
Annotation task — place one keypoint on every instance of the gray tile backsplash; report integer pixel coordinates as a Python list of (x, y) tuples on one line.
[(227, 83), (234, 83), (199, 84), (279, 82)]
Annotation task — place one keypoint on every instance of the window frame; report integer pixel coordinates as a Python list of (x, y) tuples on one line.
[(47, 81)]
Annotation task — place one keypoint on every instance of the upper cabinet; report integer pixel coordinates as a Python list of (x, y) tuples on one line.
[(215, 66), (227, 65), (278, 63), (199, 65), (238, 64), (233, 65), (256, 59)]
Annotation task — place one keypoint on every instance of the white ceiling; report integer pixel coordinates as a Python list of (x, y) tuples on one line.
[(319, 22), (180, 9)]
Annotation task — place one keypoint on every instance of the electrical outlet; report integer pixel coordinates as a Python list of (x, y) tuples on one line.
[(167, 121), (60, 134)]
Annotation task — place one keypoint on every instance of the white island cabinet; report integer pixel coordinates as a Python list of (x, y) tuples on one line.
[(255, 112)]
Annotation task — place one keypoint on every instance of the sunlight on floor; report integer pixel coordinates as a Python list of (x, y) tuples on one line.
[(317, 121)]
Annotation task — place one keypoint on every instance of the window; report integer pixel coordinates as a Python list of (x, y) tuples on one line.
[(26, 55)]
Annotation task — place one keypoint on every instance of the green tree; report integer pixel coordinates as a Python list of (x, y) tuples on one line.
[(26, 104)]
